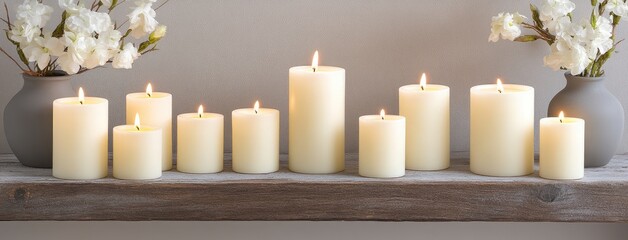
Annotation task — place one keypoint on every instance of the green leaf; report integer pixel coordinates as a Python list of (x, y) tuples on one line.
[(527, 38), (22, 56), (6, 32), (593, 19), (593, 2), (143, 46), (535, 16), (113, 4), (59, 30)]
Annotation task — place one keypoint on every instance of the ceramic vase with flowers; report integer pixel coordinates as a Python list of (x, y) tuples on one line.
[(49, 55)]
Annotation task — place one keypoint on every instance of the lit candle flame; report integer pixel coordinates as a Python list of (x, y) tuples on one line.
[(500, 86), (256, 107), (81, 96), (423, 82), (137, 121), (149, 90), (200, 111), (382, 114), (561, 116), (315, 61)]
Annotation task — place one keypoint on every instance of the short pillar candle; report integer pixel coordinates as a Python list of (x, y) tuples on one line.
[(502, 130), (382, 146), (137, 151), (255, 140), (200, 138), (561, 148), (80, 137), (426, 109), (156, 111)]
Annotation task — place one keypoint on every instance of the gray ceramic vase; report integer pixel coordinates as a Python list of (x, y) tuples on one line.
[(28, 118), (589, 99)]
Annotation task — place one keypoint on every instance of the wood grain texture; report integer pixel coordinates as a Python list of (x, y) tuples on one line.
[(451, 195)]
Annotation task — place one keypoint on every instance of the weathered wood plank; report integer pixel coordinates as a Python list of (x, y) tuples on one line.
[(451, 195)]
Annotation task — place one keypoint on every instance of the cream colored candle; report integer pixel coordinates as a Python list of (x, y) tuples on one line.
[(156, 110), (80, 137), (137, 151), (561, 148), (502, 130), (255, 140), (382, 146), (426, 109), (200, 142), (316, 119)]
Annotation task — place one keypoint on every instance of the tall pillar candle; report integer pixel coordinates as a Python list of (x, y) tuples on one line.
[(502, 130), (382, 146), (137, 151), (255, 140), (200, 138), (316, 119), (80, 137), (561, 148), (426, 109), (156, 111)]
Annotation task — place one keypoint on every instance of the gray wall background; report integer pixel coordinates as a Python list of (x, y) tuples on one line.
[(227, 54)]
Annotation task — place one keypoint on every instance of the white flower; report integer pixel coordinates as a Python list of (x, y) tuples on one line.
[(599, 39), (97, 57), (618, 7), (569, 54), (559, 25), (507, 25), (142, 18), (124, 59), (554, 9), (110, 38), (87, 21), (79, 47), (24, 33), (33, 13), (41, 49), (159, 33)]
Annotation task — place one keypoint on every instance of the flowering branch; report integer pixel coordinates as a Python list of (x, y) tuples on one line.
[(85, 38), (581, 47)]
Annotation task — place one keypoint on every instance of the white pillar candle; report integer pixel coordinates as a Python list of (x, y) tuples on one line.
[(200, 142), (80, 137), (316, 119), (137, 151), (426, 109), (502, 130), (255, 140), (382, 146), (156, 111), (561, 148)]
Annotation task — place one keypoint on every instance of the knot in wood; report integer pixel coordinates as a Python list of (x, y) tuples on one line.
[(19, 194), (550, 192)]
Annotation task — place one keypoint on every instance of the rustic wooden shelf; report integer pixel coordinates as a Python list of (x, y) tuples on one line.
[(451, 195)]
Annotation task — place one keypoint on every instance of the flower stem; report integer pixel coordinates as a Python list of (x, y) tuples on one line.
[(16, 63)]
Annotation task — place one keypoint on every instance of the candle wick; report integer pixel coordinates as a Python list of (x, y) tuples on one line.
[(499, 90), (138, 128), (81, 102), (200, 115), (382, 117), (149, 95), (314, 69), (255, 111), (561, 121), (422, 88)]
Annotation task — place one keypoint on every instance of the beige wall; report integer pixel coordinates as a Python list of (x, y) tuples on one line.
[(227, 54)]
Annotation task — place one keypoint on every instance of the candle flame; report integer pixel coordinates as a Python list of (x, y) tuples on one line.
[(137, 121), (500, 86), (315, 61), (256, 107), (382, 114), (423, 82), (200, 111), (561, 116), (149, 90), (81, 96)]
